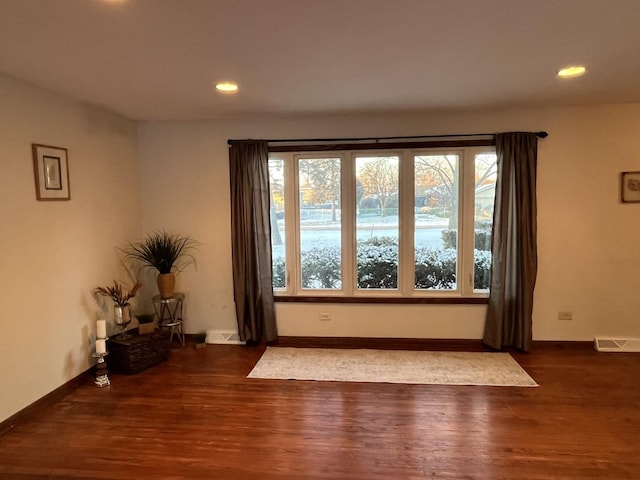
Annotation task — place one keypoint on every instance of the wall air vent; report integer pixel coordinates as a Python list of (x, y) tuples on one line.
[(617, 344), (223, 336)]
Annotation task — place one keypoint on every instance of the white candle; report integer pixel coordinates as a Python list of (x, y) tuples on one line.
[(101, 346), (101, 329)]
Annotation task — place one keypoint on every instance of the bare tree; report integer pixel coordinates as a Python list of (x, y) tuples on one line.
[(443, 170), (323, 174), (379, 178), (486, 169), (441, 173)]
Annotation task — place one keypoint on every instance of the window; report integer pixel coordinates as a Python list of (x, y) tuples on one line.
[(377, 221), (319, 223), (401, 223)]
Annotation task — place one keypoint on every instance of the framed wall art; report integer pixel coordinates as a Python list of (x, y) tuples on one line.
[(51, 170), (630, 187)]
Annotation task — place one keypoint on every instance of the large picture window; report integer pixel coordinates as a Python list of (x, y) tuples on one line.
[(399, 223)]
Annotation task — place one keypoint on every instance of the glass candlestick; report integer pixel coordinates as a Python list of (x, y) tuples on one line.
[(102, 374)]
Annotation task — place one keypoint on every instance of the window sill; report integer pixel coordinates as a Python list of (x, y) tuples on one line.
[(384, 300)]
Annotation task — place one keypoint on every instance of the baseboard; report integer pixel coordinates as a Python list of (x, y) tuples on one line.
[(46, 401), (453, 344), (189, 337), (388, 343)]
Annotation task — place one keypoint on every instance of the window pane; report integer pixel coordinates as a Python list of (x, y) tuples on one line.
[(485, 191), (276, 213), (436, 221), (377, 182), (320, 229)]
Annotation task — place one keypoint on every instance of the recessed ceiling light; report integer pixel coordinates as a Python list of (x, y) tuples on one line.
[(571, 72), (227, 87)]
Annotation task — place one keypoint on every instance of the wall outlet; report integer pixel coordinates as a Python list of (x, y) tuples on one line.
[(565, 315), (325, 317)]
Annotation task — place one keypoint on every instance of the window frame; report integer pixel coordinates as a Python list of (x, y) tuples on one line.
[(406, 291)]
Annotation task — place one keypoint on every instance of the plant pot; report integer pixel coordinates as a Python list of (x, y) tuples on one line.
[(122, 314), (166, 284)]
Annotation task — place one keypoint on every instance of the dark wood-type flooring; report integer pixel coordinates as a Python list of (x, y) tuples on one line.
[(196, 416)]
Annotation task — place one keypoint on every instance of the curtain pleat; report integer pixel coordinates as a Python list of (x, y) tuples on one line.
[(251, 241), (514, 244)]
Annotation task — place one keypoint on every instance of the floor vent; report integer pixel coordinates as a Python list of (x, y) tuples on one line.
[(617, 344), (222, 336)]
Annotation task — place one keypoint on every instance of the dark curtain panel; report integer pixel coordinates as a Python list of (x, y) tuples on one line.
[(251, 241), (513, 247)]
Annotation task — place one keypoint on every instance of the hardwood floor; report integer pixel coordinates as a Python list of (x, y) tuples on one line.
[(196, 416)]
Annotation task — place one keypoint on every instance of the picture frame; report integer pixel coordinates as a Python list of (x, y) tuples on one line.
[(51, 171), (630, 187)]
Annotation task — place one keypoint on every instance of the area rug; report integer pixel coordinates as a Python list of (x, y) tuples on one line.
[(391, 366)]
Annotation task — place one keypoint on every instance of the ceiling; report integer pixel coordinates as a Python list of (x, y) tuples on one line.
[(159, 59)]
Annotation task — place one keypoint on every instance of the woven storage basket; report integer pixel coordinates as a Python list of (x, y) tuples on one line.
[(138, 352)]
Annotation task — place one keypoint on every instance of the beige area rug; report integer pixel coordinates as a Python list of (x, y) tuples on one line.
[(391, 366)]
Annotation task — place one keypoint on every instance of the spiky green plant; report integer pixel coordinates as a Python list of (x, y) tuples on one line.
[(165, 252), (118, 294)]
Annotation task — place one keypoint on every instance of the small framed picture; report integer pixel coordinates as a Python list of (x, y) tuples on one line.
[(630, 186), (51, 170)]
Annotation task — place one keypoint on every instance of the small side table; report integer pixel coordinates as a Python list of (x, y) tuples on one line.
[(169, 312)]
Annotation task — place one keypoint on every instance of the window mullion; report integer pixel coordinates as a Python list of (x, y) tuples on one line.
[(406, 273), (347, 219), (293, 219), (466, 229)]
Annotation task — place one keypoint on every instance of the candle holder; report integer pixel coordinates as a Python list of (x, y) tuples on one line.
[(102, 374)]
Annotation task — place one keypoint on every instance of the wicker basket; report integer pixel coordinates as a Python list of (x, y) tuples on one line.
[(166, 284), (138, 352)]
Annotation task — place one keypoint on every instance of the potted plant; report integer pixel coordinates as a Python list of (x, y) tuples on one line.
[(145, 323), (121, 305), (167, 253)]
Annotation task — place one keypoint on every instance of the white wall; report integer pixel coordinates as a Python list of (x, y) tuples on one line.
[(589, 255), (52, 254)]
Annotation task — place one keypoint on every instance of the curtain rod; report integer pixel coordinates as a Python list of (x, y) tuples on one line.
[(541, 134)]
